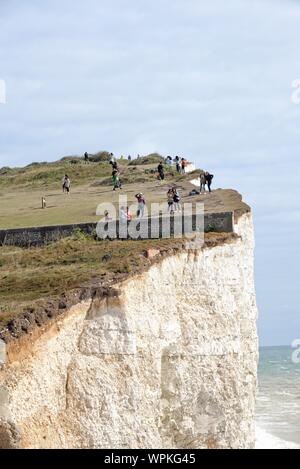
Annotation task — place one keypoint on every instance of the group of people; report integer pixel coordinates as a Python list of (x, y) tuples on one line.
[(173, 196), (205, 179), (180, 163), (125, 215)]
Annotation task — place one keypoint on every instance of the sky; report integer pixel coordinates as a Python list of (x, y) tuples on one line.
[(211, 81)]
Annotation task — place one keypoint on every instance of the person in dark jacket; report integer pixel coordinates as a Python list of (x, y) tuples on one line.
[(115, 166), (209, 178), (160, 169)]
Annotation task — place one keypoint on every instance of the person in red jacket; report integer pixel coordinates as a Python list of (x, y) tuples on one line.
[(183, 165)]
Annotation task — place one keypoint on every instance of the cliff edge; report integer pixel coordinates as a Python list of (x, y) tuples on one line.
[(166, 359)]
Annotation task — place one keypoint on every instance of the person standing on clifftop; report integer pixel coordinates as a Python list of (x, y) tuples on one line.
[(177, 162), (170, 197), (177, 205), (66, 183), (209, 178), (141, 205), (86, 157), (202, 183), (183, 165), (160, 169)]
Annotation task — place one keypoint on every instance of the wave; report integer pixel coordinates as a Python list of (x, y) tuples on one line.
[(265, 440)]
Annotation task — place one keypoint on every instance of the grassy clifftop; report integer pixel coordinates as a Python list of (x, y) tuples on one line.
[(29, 277), (21, 189), (49, 175)]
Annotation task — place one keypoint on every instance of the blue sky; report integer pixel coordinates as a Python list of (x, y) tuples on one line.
[(208, 80)]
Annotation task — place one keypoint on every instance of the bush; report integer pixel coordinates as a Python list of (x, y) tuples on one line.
[(149, 159), (5, 170), (71, 158), (100, 156)]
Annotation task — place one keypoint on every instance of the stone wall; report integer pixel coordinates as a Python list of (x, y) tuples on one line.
[(37, 236)]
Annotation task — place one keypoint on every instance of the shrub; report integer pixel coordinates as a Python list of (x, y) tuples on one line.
[(100, 156), (149, 159), (5, 170)]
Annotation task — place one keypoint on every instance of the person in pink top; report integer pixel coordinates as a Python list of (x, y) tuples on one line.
[(141, 205)]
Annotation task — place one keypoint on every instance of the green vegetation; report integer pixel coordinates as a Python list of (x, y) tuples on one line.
[(29, 275), (153, 158), (50, 175), (49, 271), (21, 189)]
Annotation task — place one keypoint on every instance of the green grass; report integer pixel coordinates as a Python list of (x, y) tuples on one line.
[(50, 175), (21, 190), (29, 275), (49, 271), (153, 158)]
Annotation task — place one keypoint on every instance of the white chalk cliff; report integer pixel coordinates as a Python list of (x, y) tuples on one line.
[(169, 361)]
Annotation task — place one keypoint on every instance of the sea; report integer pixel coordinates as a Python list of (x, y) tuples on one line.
[(278, 402)]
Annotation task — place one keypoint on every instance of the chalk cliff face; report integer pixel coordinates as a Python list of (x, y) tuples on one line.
[(168, 360)]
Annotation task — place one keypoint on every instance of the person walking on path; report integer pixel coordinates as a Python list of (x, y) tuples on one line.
[(116, 180), (66, 183), (161, 173), (86, 157), (141, 205), (209, 178), (202, 183)]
